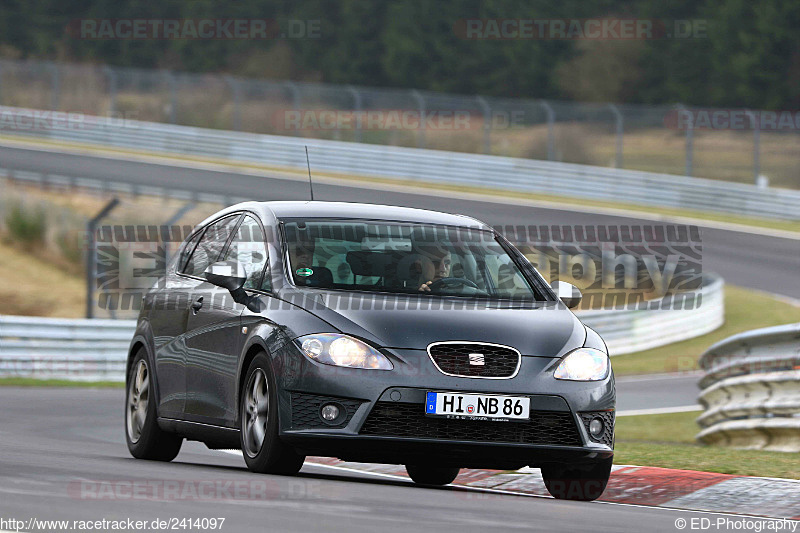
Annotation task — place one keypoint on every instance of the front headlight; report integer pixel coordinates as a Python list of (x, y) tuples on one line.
[(583, 364), (340, 350)]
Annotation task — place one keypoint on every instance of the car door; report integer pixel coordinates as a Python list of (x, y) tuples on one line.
[(168, 302), (214, 337), (205, 311)]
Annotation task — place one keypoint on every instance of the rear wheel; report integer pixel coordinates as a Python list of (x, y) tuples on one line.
[(582, 482), (263, 450), (145, 439), (432, 475)]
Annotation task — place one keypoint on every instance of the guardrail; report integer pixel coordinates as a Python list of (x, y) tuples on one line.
[(95, 349), (63, 348), (421, 165), (751, 390), (678, 318)]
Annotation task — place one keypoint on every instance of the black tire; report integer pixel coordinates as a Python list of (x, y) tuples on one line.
[(272, 456), (584, 482), (145, 439), (432, 475)]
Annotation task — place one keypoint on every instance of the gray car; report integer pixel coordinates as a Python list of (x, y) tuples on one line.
[(369, 333)]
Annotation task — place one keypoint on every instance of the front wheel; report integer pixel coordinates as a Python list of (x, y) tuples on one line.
[(263, 450), (145, 439), (583, 482), (432, 475)]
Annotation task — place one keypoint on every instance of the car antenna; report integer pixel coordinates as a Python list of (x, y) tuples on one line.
[(310, 183)]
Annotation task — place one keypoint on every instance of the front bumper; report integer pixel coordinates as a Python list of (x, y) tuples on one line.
[(385, 420)]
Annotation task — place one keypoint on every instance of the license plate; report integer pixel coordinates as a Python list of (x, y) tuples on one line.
[(477, 406)]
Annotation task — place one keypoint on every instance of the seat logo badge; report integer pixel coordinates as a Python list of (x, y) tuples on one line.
[(476, 359)]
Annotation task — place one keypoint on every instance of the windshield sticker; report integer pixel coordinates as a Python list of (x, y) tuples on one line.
[(304, 272)]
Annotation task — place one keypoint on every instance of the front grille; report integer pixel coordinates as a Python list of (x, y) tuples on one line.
[(305, 410), (607, 417), (408, 420), (463, 358)]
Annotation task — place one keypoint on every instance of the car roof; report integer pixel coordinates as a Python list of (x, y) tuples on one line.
[(350, 210)]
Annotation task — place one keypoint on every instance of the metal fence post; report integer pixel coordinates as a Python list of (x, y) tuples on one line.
[(421, 105), (55, 79), (112, 90), (551, 122), (689, 138), (173, 96), (357, 108), (620, 131), (756, 145), (91, 254), (487, 124), (295, 98), (236, 90)]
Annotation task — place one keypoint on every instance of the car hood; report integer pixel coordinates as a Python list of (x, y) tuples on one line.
[(544, 329)]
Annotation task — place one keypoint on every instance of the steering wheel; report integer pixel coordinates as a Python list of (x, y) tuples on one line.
[(448, 281)]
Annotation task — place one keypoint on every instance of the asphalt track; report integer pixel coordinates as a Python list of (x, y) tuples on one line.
[(59, 444), (659, 392), (755, 261)]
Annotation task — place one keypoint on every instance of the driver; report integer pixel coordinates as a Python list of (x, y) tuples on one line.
[(441, 263)]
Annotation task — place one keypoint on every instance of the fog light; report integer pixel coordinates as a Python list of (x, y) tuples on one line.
[(596, 427), (330, 412)]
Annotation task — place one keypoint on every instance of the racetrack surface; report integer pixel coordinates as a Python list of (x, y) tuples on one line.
[(55, 441), (760, 262), (662, 391)]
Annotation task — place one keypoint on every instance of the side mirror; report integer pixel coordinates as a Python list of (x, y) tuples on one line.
[(229, 275), (567, 293)]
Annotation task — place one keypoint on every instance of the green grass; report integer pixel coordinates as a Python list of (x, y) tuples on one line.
[(33, 382), (668, 441), (744, 310)]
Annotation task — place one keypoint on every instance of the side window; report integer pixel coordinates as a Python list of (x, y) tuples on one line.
[(211, 245), (187, 250), (249, 249)]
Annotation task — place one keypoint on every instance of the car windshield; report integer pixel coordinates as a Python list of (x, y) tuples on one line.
[(403, 258)]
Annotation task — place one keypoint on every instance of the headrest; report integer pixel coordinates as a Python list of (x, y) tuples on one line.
[(374, 262)]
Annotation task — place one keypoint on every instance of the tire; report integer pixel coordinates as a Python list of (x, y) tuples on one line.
[(258, 408), (145, 439), (432, 475), (584, 482)]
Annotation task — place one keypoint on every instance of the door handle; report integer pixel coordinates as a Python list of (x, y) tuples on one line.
[(197, 305)]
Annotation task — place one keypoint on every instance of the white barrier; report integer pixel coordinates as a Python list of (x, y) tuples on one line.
[(751, 390), (633, 330), (62, 348), (454, 168)]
